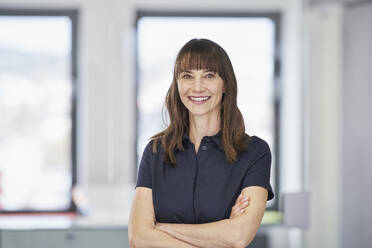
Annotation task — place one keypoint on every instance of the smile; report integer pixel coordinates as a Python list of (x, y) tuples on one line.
[(199, 99)]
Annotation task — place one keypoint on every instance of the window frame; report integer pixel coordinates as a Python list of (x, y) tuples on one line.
[(73, 14), (275, 16)]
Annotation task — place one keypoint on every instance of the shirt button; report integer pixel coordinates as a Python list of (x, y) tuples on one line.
[(204, 148)]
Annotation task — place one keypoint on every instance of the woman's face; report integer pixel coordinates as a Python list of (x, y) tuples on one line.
[(201, 91)]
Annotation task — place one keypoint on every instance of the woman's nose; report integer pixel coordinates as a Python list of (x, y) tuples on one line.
[(198, 86)]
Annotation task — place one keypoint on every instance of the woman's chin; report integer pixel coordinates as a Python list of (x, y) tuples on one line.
[(199, 113)]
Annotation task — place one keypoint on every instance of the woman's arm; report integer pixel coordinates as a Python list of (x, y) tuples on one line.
[(236, 232), (141, 230)]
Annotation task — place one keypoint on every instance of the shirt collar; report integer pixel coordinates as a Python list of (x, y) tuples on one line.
[(217, 138)]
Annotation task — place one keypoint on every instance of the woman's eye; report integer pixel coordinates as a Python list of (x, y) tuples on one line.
[(209, 75), (186, 76)]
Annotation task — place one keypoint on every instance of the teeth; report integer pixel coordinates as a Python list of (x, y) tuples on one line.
[(199, 99)]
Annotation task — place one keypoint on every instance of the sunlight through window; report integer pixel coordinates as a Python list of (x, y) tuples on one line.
[(35, 107)]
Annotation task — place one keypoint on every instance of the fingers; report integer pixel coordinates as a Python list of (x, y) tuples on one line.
[(239, 207), (241, 198), (243, 204), (238, 199)]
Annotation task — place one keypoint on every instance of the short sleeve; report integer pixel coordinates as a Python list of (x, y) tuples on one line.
[(144, 169), (258, 173)]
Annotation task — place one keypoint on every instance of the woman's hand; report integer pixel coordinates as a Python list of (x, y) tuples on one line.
[(239, 207)]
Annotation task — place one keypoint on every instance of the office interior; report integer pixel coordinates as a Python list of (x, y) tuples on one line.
[(322, 133)]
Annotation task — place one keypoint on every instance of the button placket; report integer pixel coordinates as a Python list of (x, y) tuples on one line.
[(195, 158)]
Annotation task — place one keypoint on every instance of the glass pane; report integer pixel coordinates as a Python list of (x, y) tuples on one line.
[(35, 110), (249, 43)]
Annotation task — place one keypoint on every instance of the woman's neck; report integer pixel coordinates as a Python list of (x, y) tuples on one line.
[(201, 126)]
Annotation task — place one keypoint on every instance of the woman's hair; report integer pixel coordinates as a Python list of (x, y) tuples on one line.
[(199, 54)]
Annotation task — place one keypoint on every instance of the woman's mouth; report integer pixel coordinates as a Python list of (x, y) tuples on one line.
[(199, 99)]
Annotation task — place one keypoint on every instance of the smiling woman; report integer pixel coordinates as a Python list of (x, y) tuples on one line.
[(192, 174)]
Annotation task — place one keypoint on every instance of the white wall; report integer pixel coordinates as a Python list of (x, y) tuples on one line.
[(338, 82), (323, 107)]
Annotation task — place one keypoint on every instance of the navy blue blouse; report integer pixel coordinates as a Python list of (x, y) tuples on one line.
[(203, 187)]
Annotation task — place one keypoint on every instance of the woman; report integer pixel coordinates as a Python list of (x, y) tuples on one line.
[(202, 182)]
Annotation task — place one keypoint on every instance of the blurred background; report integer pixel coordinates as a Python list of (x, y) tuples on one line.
[(82, 87)]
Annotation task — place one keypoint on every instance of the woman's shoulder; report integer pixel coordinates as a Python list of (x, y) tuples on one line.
[(257, 145), (256, 148), (153, 145)]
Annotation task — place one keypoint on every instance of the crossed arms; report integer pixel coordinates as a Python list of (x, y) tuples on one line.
[(236, 232)]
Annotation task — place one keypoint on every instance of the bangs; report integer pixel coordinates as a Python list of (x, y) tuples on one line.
[(198, 58)]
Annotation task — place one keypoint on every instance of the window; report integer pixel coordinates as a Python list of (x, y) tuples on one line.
[(38, 110), (251, 42)]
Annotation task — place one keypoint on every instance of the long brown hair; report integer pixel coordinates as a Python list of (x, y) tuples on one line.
[(199, 54)]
